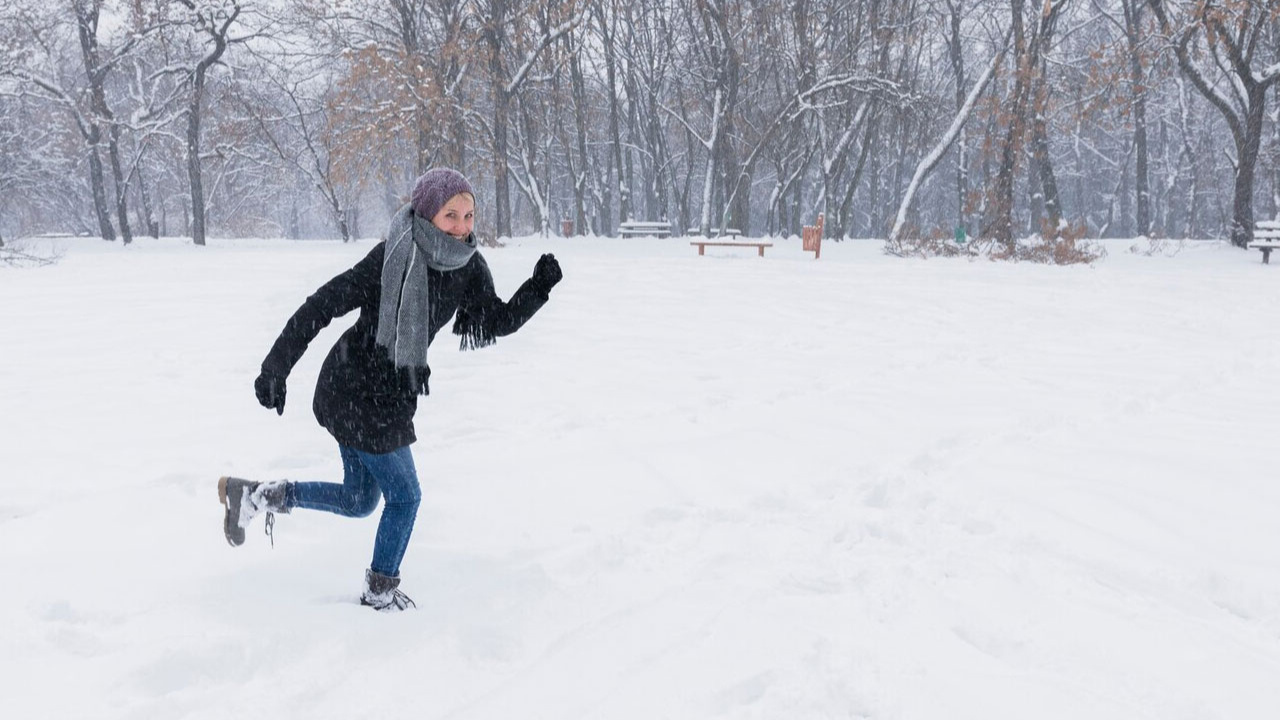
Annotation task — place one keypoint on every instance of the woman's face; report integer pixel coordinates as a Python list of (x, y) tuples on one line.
[(457, 216)]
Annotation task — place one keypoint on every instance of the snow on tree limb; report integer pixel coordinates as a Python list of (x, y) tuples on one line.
[(930, 161), (551, 36)]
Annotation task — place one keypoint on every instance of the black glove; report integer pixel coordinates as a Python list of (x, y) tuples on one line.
[(269, 388), (547, 272)]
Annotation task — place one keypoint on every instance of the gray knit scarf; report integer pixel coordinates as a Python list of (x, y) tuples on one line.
[(404, 314)]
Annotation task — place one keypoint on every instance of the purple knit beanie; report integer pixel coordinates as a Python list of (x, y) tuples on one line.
[(434, 188)]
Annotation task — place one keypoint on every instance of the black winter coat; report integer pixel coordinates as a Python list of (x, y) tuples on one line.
[(361, 399)]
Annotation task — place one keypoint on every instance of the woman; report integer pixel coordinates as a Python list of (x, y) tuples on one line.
[(406, 288)]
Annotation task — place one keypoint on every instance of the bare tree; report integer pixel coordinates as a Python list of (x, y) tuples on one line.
[(1028, 68), (292, 113), (931, 160), (577, 157), (715, 56), (513, 46), (30, 163), (212, 23), (35, 48), (1229, 36), (1137, 87), (87, 15)]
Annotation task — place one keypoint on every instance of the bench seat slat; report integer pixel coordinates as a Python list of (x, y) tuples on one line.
[(1266, 237), (759, 246)]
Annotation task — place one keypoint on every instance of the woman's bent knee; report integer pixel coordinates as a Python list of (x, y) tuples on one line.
[(364, 505), (408, 493)]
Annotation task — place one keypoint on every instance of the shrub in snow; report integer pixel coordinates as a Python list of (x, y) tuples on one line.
[(18, 255), (1066, 246), (1157, 246)]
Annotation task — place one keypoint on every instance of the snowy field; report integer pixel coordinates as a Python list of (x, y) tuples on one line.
[(691, 487)]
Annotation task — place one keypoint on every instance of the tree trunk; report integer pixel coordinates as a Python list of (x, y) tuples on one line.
[(1142, 191), (628, 157), (122, 206), (873, 202), (722, 166), (295, 229), (650, 158), (957, 67), (742, 203), (1275, 166), (148, 216), (98, 186), (615, 130), (501, 170), (86, 14), (843, 226), (194, 180), (663, 178), (709, 177), (1125, 201), (684, 211), (87, 30), (1044, 162), (1000, 225), (1247, 162), (495, 36), (218, 36), (335, 209), (582, 166), (458, 148)]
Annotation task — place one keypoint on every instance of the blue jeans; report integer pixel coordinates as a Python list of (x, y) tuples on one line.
[(367, 476)]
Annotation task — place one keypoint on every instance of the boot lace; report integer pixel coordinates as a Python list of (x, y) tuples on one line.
[(389, 601), (260, 503), (401, 601)]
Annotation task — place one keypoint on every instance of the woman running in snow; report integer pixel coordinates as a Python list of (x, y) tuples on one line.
[(406, 289)]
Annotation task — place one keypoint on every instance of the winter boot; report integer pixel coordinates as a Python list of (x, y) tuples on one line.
[(382, 593), (245, 500)]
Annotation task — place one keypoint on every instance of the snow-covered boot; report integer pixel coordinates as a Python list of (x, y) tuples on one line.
[(382, 593), (245, 500)]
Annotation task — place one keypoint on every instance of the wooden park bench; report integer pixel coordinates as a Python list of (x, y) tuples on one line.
[(715, 232), (702, 245), (644, 228), (811, 237), (1266, 238)]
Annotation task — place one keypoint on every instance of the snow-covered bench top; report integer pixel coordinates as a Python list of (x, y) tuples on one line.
[(715, 232), (659, 228), (1266, 237)]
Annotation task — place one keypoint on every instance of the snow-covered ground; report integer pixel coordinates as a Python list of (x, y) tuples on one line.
[(691, 487)]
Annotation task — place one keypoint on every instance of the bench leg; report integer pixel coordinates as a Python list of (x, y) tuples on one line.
[(761, 249), (702, 249), (1266, 256)]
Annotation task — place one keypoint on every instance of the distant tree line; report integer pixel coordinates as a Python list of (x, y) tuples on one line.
[(309, 118)]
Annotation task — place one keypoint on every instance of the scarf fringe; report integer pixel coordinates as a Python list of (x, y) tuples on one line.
[(473, 331)]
